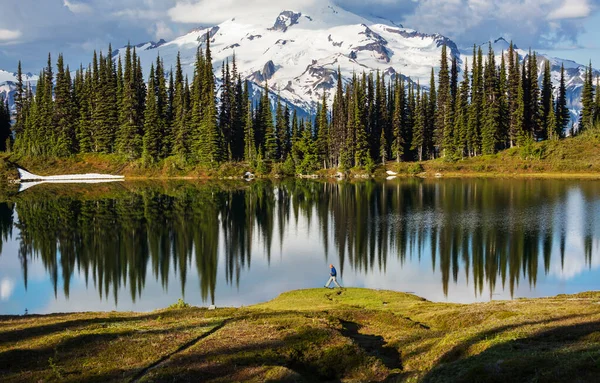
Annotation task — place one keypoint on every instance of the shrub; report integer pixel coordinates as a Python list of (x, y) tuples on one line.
[(289, 167), (180, 304), (415, 168)]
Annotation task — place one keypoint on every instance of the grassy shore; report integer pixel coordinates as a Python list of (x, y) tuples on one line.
[(350, 335)]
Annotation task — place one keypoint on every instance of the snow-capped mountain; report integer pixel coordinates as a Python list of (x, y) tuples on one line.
[(298, 52), (8, 86)]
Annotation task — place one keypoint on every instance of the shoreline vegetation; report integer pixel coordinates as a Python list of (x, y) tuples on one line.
[(574, 157), (346, 335)]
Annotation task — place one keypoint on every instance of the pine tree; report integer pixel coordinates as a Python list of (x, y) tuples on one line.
[(225, 109), (534, 120), (587, 100), (476, 107), (19, 102), (129, 138), (563, 116), (249, 144), (5, 131), (84, 115), (430, 113), (152, 123), (361, 143), (514, 82), (419, 127), (162, 105), (491, 107), (398, 122), (337, 134), (442, 134), (553, 132), (504, 118), (179, 125), (269, 144), (64, 115), (238, 114), (547, 122), (323, 132), (461, 121)]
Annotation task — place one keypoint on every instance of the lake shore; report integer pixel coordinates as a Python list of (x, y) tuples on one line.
[(573, 158), (313, 335)]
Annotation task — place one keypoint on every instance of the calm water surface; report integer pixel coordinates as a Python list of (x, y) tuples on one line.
[(141, 246)]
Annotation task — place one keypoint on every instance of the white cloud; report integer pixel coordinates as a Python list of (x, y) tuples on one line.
[(571, 9), (140, 14), (210, 12), (162, 31), (8, 35), (77, 7), (7, 286), (529, 22)]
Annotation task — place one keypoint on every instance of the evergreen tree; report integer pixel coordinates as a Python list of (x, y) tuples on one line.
[(547, 121), (64, 114), (476, 107), (430, 113), (563, 116), (419, 127), (323, 132), (504, 118), (514, 82), (267, 126), (249, 144), (398, 122), (553, 132), (19, 102), (162, 105), (5, 131), (442, 134), (491, 107), (129, 139), (179, 125), (461, 121), (152, 123)]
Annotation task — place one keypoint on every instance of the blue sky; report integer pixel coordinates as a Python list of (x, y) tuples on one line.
[(29, 29)]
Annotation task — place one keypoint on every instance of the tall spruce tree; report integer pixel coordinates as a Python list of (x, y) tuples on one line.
[(5, 131), (491, 105), (547, 121), (152, 140), (64, 114), (442, 137), (587, 100), (563, 116), (129, 138)]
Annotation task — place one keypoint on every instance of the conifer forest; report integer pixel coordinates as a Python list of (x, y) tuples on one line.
[(109, 107)]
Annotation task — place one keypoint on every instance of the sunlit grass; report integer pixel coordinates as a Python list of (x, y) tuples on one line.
[(304, 335)]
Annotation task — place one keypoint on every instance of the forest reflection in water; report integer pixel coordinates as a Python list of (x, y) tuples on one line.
[(118, 236)]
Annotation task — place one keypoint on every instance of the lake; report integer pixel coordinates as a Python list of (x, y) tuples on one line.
[(140, 246)]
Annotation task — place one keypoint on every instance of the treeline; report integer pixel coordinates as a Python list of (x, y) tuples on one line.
[(110, 108)]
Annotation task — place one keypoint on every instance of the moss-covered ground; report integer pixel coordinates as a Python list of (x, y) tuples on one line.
[(349, 335)]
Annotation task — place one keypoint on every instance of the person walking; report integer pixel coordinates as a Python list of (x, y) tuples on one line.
[(332, 277)]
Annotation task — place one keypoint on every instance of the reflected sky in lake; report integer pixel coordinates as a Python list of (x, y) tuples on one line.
[(141, 246)]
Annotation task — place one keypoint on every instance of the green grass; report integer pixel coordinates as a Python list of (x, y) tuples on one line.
[(349, 335)]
